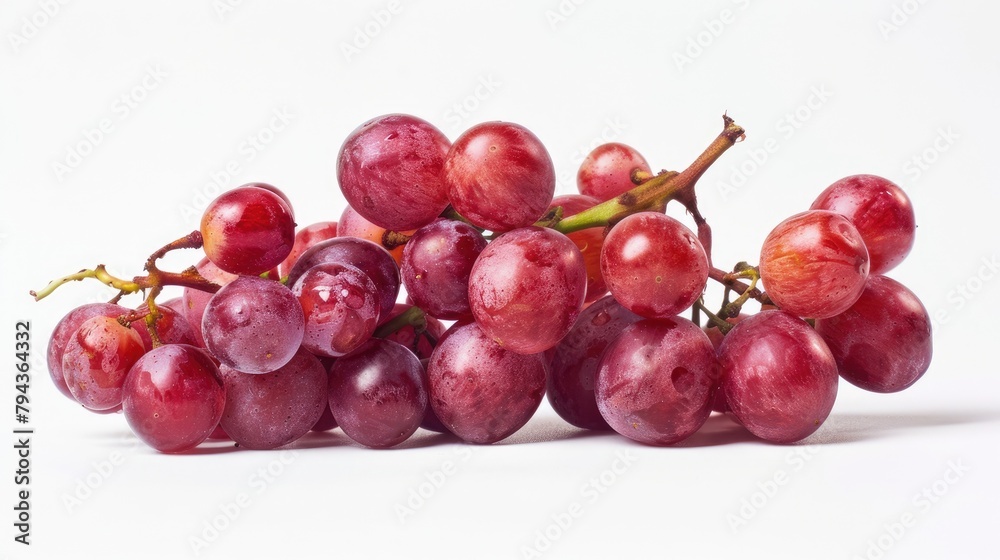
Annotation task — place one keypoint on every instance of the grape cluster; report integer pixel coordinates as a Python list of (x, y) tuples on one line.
[(511, 295)]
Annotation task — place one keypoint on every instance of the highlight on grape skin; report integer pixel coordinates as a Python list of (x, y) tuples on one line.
[(312, 334)]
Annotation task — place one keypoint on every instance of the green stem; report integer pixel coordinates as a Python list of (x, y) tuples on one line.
[(654, 193), (412, 317), (730, 281)]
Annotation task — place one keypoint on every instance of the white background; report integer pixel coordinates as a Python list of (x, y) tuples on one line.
[(838, 88)]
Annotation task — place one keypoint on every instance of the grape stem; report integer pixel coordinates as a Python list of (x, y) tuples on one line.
[(713, 319), (412, 317), (731, 280), (151, 283), (655, 192)]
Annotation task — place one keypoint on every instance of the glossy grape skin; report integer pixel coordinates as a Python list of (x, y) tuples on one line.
[(883, 342), (654, 265), (195, 301), (573, 367), (378, 393), (340, 308), (96, 359), (881, 212), (589, 241), (66, 328), (606, 172), (304, 239), (436, 265), (499, 176), (814, 264), (527, 288), (174, 397), (656, 380), (247, 230), (779, 377), (389, 170), (370, 258), (281, 194), (253, 325), (273, 409), (480, 391)]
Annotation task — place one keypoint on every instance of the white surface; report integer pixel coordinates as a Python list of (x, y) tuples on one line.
[(608, 69)]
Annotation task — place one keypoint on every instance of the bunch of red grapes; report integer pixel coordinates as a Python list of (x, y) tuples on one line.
[(511, 295)]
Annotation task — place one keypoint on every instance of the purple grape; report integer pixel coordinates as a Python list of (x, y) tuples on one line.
[(378, 393), (656, 380), (340, 306), (372, 259), (573, 367), (779, 376), (437, 261), (273, 409), (253, 325), (883, 342), (481, 391)]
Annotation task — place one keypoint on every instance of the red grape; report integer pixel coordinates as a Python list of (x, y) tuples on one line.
[(253, 325), (304, 239), (779, 377), (370, 258), (436, 265), (340, 307), (247, 230), (174, 397), (589, 241), (656, 380), (389, 170), (353, 224), (172, 327), (480, 391), (96, 360), (422, 343), (882, 213), (378, 393), (573, 367), (883, 342), (499, 176), (606, 172), (195, 300), (654, 265), (527, 288), (814, 264), (274, 409), (66, 328)]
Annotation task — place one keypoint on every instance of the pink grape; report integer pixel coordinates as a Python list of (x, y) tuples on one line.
[(274, 409), (573, 367), (253, 325), (65, 329), (814, 264), (436, 265), (882, 343), (353, 224), (654, 265), (479, 390), (378, 393), (656, 380), (779, 377), (96, 360), (527, 288), (389, 170), (499, 176), (340, 307), (881, 212), (173, 397), (606, 172), (370, 258)]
